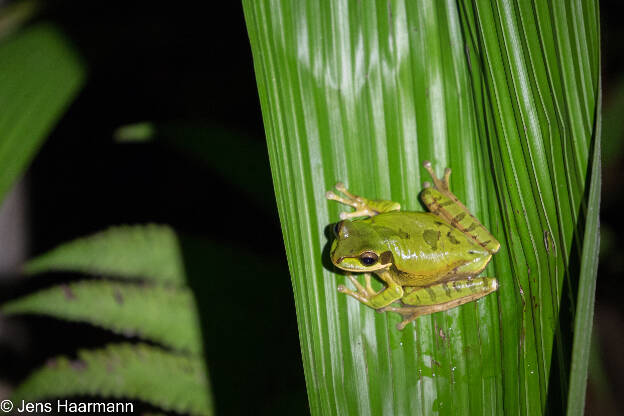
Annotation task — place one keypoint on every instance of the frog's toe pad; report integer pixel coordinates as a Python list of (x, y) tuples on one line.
[(340, 186)]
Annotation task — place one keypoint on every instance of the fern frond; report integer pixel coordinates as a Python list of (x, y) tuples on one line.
[(164, 315), (150, 252), (170, 381)]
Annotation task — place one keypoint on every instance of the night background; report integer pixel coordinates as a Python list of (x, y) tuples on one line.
[(189, 71)]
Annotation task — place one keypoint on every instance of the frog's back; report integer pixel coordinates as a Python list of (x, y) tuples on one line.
[(425, 247)]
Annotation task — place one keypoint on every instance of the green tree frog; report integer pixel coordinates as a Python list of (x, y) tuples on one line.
[(429, 261)]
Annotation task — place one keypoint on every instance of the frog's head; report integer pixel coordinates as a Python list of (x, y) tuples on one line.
[(359, 248)]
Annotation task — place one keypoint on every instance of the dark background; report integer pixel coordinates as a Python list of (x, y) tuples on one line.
[(606, 387), (180, 63), (175, 65)]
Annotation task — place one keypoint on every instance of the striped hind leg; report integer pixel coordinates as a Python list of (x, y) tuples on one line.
[(442, 202), (421, 301)]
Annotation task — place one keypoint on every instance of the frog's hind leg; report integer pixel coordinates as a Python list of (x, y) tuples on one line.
[(442, 202), (421, 301)]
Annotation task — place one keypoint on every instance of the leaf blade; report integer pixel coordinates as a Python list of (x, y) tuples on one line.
[(583, 320), (347, 95), (40, 75)]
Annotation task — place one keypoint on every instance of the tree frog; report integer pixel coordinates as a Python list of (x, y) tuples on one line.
[(429, 261)]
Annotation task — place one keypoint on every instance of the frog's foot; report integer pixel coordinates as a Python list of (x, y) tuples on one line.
[(441, 185), (409, 313), (360, 204), (363, 294), (363, 207), (368, 296)]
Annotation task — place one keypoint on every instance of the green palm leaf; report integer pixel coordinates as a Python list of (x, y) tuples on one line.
[(506, 94)]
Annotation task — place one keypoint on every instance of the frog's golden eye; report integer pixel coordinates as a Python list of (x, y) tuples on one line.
[(368, 258)]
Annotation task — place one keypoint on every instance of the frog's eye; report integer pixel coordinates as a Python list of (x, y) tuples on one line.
[(368, 258)]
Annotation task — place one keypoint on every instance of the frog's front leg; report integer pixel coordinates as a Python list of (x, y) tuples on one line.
[(441, 297), (442, 202), (363, 207), (368, 296)]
